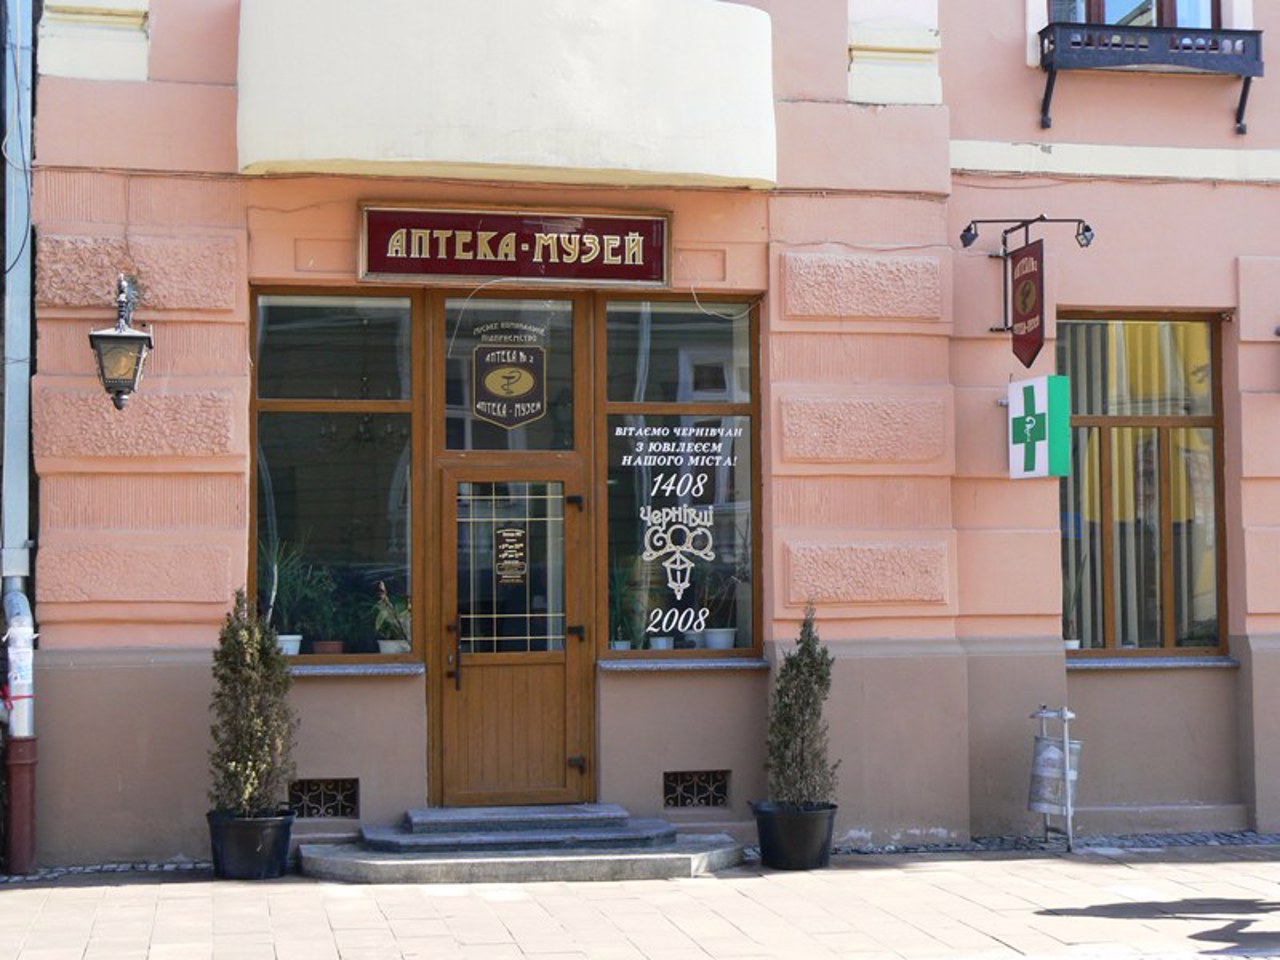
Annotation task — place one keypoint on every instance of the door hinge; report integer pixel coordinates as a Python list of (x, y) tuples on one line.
[(580, 762)]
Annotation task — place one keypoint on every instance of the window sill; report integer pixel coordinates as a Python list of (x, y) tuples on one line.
[(365, 669), (1085, 664), (677, 664)]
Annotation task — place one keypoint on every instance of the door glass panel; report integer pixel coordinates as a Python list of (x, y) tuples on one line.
[(511, 567), (679, 353), (1135, 502), (509, 374), (1195, 561)]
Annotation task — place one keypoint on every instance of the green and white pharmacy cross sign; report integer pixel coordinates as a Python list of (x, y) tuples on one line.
[(1039, 428)]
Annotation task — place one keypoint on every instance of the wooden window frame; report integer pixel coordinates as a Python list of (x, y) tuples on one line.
[(1163, 425)]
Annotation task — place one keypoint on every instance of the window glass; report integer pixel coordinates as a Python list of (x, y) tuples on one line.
[(1139, 368), (1135, 13), (679, 353), (1136, 536), (1130, 13), (509, 374), (1067, 11), (1194, 537), (680, 532), (349, 348), (1140, 539), (333, 529), (1195, 13)]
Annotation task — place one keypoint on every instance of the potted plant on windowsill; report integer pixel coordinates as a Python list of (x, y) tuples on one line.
[(293, 591), (795, 823), (626, 611), (251, 759), (392, 620)]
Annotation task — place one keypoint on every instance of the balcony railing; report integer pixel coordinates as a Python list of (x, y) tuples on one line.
[(1093, 46)]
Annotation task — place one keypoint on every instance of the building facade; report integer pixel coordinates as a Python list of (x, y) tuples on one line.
[(538, 366)]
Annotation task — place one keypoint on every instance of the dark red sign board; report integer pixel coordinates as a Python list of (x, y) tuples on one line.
[(402, 243), (1026, 291)]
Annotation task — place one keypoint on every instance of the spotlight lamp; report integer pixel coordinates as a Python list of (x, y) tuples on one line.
[(969, 235), (121, 351)]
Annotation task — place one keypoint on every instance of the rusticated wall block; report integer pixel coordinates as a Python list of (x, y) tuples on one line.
[(853, 285), (84, 424), (899, 572), (174, 273), (133, 574), (144, 501), (864, 429)]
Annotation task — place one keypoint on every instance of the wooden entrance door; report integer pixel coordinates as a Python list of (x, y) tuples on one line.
[(514, 704)]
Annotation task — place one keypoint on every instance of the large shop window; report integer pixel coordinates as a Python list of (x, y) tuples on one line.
[(1137, 13), (1141, 540), (333, 437), (680, 477)]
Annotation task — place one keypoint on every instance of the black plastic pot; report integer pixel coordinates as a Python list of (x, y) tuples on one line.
[(795, 837), (249, 848)]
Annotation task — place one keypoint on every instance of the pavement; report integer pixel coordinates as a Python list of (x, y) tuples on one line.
[(1170, 902)]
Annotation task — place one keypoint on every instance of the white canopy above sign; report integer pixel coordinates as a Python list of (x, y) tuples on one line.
[(664, 92)]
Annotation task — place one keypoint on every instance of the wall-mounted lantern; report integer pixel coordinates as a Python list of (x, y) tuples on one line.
[(121, 350)]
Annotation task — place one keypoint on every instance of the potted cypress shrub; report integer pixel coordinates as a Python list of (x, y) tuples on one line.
[(251, 760), (795, 823)]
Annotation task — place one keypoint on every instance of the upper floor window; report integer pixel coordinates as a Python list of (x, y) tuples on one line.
[(1138, 13)]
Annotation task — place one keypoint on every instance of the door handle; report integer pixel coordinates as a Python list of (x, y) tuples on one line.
[(455, 658), (577, 630), (576, 500)]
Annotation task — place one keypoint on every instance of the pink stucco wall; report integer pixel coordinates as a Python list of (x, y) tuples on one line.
[(884, 484)]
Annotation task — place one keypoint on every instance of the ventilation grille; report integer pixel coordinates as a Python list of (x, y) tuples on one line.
[(325, 798), (695, 788)]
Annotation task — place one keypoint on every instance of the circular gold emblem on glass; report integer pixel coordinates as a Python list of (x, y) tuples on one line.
[(509, 381)]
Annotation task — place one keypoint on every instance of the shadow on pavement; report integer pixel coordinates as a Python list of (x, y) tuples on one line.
[(1236, 915)]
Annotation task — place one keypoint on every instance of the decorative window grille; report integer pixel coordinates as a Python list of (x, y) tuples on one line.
[(312, 799)]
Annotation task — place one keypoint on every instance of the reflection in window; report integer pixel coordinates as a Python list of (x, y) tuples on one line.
[(678, 352), (334, 378), (1140, 539), (349, 348), (333, 524), (1187, 14)]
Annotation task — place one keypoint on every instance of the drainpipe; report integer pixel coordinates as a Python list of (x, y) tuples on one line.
[(15, 475)]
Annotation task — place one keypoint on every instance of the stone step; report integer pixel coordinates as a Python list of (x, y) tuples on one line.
[(570, 816), (686, 856), (631, 833)]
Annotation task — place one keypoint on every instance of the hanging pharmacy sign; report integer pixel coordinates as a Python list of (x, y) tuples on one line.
[(404, 243), (1026, 268), (1039, 428)]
